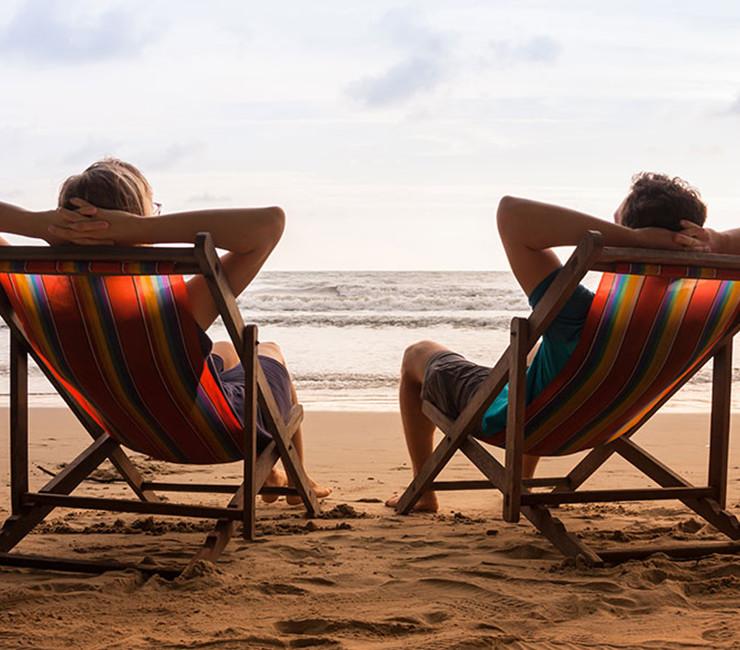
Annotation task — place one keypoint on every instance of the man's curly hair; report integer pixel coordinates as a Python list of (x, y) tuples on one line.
[(656, 200)]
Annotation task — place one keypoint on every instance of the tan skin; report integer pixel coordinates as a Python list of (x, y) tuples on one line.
[(248, 235), (529, 231), (692, 236)]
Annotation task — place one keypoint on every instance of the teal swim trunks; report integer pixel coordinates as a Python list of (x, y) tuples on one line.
[(450, 380)]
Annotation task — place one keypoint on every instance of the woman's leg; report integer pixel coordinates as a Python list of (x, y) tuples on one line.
[(273, 351), (226, 350)]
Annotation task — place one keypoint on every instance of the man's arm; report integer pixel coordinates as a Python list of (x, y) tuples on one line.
[(694, 236), (529, 230)]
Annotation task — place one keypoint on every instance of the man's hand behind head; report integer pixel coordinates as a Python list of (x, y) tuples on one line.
[(666, 239), (697, 238)]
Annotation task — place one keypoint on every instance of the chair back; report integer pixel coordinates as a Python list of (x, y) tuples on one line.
[(649, 329), (127, 350)]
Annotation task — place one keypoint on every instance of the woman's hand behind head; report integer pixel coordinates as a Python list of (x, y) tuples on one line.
[(90, 224), (63, 226)]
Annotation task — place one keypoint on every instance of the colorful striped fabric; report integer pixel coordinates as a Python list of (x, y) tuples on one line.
[(130, 354), (644, 335)]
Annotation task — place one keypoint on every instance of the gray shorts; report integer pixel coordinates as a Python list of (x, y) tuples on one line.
[(450, 381)]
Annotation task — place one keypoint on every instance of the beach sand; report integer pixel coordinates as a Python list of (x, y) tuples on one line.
[(370, 579)]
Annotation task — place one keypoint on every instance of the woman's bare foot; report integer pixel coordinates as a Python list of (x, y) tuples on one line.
[(427, 503), (320, 491), (275, 479)]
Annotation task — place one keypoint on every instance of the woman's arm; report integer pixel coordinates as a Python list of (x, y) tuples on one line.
[(38, 224), (250, 239), (16, 220), (249, 234), (236, 230)]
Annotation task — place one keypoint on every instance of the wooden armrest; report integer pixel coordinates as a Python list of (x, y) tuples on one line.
[(295, 417), (563, 286), (436, 416)]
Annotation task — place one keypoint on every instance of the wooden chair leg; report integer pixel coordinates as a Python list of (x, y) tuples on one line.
[(560, 537), (249, 355), (518, 349), (18, 526), (130, 474), (719, 444), (708, 509), (586, 468), (284, 440), (18, 424), (540, 517)]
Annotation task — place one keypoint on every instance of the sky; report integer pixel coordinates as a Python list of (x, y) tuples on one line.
[(388, 131)]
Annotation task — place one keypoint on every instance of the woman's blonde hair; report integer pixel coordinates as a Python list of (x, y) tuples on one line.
[(109, 183)]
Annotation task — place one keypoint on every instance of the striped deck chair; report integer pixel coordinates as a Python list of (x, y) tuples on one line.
[(112, 331), (656, 319)]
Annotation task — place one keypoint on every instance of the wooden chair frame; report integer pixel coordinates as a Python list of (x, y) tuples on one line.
[(709, 502), (29, 508)]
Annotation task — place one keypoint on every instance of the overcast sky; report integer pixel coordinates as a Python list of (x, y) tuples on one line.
[(387, 130)]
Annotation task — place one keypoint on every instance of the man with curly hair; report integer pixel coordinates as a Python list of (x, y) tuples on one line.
[(658, 201), (655, 206)]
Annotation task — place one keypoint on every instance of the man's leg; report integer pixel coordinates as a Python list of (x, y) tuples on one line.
[(418, 429)]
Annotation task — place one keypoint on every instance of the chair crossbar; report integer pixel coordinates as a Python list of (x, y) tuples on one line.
[(606, 496), (677, 551), (554, 481), (211, 488), (208, 488), (130, 505)]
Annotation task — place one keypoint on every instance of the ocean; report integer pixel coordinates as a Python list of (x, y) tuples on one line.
[(343, 333)]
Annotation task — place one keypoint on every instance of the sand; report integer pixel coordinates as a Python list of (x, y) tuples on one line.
[(368, 578)]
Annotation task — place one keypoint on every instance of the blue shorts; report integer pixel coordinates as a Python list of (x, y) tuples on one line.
[(232, 383)]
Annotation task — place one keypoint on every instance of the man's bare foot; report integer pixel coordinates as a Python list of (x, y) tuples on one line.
[(275, 479), (427, 503), (320, 491)]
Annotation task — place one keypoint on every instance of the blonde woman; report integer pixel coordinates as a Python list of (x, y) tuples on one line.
[(111, 202)]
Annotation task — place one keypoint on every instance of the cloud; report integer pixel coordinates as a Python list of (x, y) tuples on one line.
[(423, 67), (399, 83), (51, 32), (735, 106), (538, 49)]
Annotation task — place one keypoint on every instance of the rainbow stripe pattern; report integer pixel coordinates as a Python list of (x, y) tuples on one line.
[(644, 336), (129, 352)]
